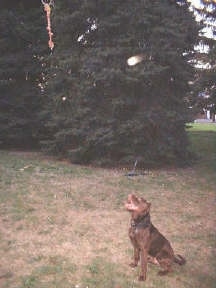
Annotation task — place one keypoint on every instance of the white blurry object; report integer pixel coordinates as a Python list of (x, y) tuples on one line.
[(135, 59)]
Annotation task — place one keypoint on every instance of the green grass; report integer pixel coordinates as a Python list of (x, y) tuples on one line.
[(202, 127), (64, 225), (203, 142)]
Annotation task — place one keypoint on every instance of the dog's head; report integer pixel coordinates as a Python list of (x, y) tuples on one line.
[(137, 206)]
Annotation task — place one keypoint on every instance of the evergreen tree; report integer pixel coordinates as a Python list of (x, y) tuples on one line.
[(21, 73), (104, 111)]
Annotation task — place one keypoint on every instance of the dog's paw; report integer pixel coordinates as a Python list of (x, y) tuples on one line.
[(141, 278), (133, 265), (163, 272)]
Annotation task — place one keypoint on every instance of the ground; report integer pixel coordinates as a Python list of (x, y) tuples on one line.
[(63, 225)]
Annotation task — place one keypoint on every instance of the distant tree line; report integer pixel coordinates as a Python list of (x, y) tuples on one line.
[(83, 101)]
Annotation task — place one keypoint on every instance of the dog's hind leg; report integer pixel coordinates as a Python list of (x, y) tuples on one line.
[(166, 265), (152, 260)]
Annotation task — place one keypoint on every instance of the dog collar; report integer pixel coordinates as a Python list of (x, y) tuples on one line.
[(141, 222)]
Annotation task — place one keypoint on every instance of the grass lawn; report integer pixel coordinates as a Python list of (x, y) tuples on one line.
[(64, 226)]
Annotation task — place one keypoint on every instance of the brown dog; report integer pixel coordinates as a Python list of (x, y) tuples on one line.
[(149, 244)]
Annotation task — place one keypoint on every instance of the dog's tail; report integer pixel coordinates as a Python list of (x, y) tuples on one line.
[(179, 259)]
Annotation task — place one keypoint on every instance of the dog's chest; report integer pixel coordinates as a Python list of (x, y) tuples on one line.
[(134, 233), (139, 230)]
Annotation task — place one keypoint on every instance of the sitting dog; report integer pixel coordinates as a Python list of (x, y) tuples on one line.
[(149, 244)]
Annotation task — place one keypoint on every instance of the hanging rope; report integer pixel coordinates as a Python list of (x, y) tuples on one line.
[(47, 9)]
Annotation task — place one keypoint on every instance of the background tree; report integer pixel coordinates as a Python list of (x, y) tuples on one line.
[(21, 72), (102, 109)]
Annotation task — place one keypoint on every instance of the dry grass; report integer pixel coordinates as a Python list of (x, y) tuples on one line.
[(64, 226)]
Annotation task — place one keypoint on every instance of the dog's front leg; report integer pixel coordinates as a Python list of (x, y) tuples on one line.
[(136, 257), (144, 260), (135, 246)]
